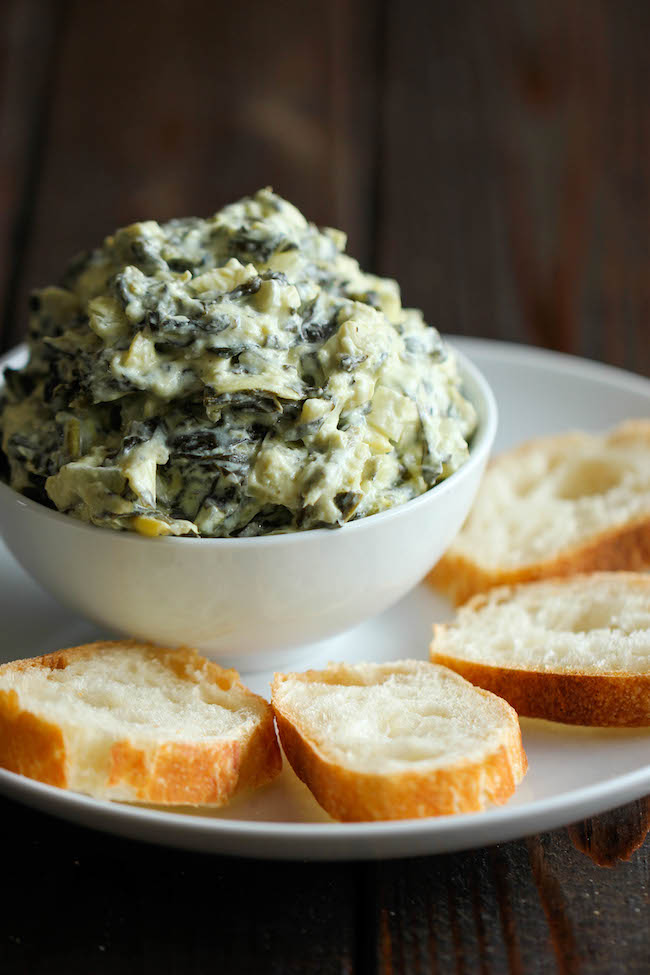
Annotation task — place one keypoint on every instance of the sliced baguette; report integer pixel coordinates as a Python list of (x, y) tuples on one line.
[(573, 650), (556, 506), (135, 723), (397, 740)]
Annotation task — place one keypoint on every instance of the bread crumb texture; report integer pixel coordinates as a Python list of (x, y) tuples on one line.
[(597, 623), (557, 505), (384, 741), (571, 649), (135, 722)]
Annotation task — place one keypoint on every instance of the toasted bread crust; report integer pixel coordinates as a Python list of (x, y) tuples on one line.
[(622, 549), (178, 773), (29, 745), (353, 796), (170, 772), (616, 699), (598, 700)]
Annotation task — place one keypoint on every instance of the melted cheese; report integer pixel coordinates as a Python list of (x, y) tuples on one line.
[(237, 375)]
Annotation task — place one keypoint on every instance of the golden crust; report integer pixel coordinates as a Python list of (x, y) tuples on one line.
[(29, 745), (626, 548), (188, 773), (353, 796), (261, 760), (569, 696), (178, 772), (597, 700)]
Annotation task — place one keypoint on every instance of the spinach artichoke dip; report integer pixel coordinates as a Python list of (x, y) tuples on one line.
[(233, 376)]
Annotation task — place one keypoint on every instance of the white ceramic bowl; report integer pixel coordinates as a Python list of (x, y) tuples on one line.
[(251, 602)]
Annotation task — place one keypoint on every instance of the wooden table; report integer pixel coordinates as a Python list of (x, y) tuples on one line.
[(493, 158)]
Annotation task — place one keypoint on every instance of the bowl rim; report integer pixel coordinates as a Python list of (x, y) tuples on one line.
[(480, 446)]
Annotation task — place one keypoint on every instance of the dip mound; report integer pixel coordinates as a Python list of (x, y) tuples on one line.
[(238, 375)]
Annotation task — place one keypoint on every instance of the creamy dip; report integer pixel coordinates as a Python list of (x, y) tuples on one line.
[(238, 375)]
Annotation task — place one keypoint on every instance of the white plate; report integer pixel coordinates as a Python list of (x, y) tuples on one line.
[(573, 772)]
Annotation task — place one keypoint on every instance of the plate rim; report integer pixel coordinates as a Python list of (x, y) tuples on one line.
[(569, 362), (586, 800), (359, 841)]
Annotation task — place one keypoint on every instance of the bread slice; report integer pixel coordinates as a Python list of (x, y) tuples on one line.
[(574, 650), (556, 506), (136, 723), (397, 740)]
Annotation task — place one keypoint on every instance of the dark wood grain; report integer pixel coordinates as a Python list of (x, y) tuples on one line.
[(529, 907), (615, 835), (514, 137), (599, 919), (29, 30), (82, 902), (492, 157)]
